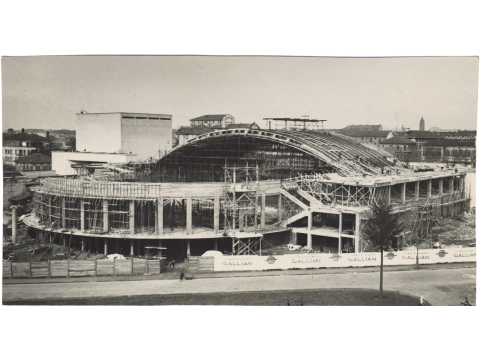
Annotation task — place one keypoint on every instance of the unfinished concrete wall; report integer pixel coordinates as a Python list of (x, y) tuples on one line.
[(12, 189), (146, 137), (99, 132)]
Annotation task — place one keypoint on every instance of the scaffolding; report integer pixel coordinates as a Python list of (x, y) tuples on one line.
[(240, 207)]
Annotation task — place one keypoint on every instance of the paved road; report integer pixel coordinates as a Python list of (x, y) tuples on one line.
[(438, 287)]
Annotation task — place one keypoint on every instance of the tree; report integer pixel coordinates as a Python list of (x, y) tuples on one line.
[(72, 143), (381, 228)]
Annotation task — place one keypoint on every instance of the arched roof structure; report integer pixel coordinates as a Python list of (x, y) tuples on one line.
[(279, 154)]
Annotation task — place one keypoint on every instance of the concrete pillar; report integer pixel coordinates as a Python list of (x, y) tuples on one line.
[(429, 188), (62, 235), (188, 247), (14, 224), (262, 212), (106, 226), (132, 217), (64, 220), (189, 215), (340, 226), (215, 245), (417, 190), (96, 245), (309, 234), (105, 246), (159, 251), (357, 233), (241, 216), (159, 222), (280, 209), (132, 250), (389, 194), (339, 244), (461, 186), (216, 214), (450, 185), (49, 201), (440, 186), (82, 215), (404, 191), (83, 244)]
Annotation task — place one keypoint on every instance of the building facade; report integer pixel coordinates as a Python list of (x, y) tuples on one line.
[(220, 121), (403, 149), (34, 162), (372, 136), (16, 146)]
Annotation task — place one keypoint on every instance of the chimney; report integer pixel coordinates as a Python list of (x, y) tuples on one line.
[(10, 131), (47, 134), (23, 130)]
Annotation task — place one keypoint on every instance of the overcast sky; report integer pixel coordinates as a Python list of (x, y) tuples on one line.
[(46, 92)]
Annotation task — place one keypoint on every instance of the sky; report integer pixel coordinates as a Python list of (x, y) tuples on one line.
[(47, 91)]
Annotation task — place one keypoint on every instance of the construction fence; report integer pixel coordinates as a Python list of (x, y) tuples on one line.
[(79, 268)]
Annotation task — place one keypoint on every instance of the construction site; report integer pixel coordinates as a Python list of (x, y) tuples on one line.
[(245, 192)]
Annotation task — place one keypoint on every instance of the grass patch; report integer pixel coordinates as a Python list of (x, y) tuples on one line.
[(331, 297)]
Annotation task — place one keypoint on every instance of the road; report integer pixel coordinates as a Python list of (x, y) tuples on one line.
[(438, 287)]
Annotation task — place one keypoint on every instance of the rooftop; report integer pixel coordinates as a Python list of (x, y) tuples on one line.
[(210, 117), (397, 140), (194, 130), (23, 137), (36, 158), (371, 133)]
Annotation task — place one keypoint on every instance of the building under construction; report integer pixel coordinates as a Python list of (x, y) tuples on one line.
[(240, 191)]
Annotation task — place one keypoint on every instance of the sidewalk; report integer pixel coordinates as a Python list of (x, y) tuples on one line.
[(175, 274)]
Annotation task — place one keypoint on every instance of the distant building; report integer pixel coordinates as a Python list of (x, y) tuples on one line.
[(422, 125), (450, 150), (15, 146), (187, 133), (34, 162), (63, 134), (353, 129), (372, 136), (220, 121), (462, 135), (251, 126), (403, 149)]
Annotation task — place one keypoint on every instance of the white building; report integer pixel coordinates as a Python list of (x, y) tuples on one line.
[(117, 138), (219, 121)]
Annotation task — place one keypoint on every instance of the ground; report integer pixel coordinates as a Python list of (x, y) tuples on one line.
[(439, 285), (341, 297)]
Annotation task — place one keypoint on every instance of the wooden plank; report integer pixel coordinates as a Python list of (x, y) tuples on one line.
[(20, 269), (105, 267), (6, 269), (39, 269), (58, 268)]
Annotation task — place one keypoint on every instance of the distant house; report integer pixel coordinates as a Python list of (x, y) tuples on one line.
[(187, 133), (63, 134), (462, 135), (403, 149), (353, 129), (34, 162), (251, 126), (372, 136), (15, 146), (220, 121), (450, 150)]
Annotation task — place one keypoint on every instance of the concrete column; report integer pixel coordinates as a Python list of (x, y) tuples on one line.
[(241, 216), (280, 209), (62, 235), (132, 217), (96, 245), (159, 251), (357, 233), (82, 215), (49, 201), (389, 194), (262, 212), (64, 221), (450, 185), (440, 186), (159, 223), (106, 226), (105, 246), (132, 250), (215, 244), (189, 215), (14, 224), (339, 244), (83, 244), (417, 190), (462, 185), (429, 188), (340, 226), (309, 234), (404, 191), (216, 214), (188, 247)]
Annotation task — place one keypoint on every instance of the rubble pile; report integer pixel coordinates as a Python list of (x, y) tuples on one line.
[(458, 231)]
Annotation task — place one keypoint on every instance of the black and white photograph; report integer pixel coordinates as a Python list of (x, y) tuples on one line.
[(239, 180)]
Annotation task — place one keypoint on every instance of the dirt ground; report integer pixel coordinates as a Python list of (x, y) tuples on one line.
[(334, 297)]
